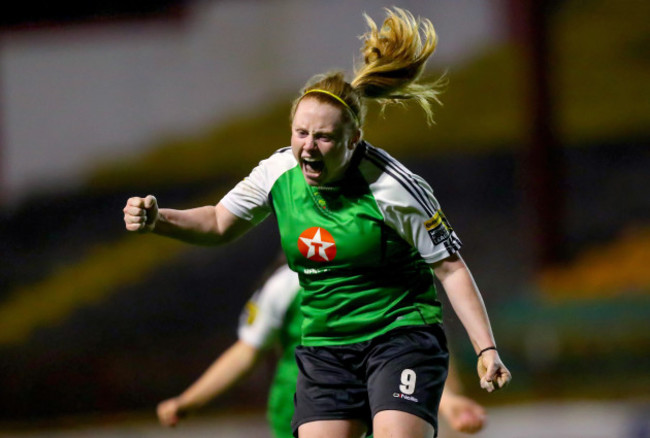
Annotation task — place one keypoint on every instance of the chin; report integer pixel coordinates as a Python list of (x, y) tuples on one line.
[(313, 181)]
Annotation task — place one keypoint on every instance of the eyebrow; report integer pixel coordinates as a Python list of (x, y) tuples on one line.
[(318, 132)]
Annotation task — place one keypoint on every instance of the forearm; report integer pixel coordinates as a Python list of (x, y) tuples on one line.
[(467, 302), (208, 225), (468, 305), (226, 371), (196, 225)]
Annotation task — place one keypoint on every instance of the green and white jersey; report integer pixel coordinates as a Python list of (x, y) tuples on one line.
[(270, 317), (361, 247)]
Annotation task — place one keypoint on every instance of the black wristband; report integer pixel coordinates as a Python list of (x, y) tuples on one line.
[(486, 349)]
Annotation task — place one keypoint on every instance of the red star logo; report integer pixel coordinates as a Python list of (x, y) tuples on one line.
[(317, 244)]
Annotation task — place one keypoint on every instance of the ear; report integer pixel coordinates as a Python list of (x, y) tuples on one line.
[(355, 139)]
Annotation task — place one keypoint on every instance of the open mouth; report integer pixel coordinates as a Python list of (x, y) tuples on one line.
[(313, 165)]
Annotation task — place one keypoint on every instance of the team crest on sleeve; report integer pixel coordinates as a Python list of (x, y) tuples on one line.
[(250, 312), (438, 228), (317, 244)]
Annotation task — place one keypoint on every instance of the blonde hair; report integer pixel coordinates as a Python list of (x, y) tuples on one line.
[(394, 57)]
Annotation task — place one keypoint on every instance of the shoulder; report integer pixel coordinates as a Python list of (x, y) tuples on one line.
[(391, 182), (265, 313), (279, 290), (249, 199), (282, 158), (378, 163), (271, 168), (283, 281)]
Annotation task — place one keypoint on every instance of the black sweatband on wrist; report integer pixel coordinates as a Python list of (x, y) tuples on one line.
[(486, 349)]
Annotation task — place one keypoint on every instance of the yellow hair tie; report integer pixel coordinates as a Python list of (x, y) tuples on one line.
[(319, 90)]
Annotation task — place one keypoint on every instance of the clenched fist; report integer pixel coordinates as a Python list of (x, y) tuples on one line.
[(169, 412), (492, 372), (463, 414), (141, 214)]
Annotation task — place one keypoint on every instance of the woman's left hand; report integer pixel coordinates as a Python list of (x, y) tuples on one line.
[(492, 372)]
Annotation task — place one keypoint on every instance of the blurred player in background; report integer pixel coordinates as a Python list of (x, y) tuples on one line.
[(271, 318)]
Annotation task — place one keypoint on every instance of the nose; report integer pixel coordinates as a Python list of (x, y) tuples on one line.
[(310, 143)]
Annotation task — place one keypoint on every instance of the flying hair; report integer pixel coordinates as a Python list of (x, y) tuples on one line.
[(394, 58)]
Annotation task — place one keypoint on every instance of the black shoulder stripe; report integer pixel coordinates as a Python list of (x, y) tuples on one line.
[(284, 149), (402, 176), (453, 244)]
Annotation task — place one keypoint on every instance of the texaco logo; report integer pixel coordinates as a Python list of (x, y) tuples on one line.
[(317, 244)]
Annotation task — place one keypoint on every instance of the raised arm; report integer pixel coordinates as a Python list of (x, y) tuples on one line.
[(207, 225), (228, 369), (468, 304)]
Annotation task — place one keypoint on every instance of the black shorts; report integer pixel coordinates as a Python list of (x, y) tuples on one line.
[(404, 369)]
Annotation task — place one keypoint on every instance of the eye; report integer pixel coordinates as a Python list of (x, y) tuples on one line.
[(325, 138), (301, 133)]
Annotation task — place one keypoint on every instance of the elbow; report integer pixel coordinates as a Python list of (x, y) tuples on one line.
[(447, 267)]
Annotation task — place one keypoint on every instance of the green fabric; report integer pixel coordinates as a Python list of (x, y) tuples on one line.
[(280, 403), (372, 281)]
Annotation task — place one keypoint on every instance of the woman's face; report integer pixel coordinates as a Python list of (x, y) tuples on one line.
[(321, 141)]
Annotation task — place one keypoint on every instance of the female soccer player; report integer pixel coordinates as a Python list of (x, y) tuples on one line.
[(366, 237), (272, 317)]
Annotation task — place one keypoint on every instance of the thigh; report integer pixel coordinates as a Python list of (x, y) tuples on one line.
[(333, 428), (328, 388), (407, 372), (398, 424)]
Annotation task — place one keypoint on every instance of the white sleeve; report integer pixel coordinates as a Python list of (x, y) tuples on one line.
[(410, 208), (263, 315), (249, 199)]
